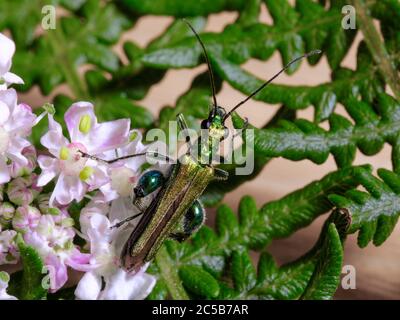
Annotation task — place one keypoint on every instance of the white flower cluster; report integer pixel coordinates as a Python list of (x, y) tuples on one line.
[(42, 219)]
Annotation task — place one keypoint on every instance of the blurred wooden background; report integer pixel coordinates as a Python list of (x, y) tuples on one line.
[(378, 273)]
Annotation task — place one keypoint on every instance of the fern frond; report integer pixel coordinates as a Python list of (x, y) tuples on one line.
[(375, 212), (316, 274), (302, 139)]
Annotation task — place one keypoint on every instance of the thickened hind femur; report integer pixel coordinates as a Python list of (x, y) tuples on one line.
[(149, 182)]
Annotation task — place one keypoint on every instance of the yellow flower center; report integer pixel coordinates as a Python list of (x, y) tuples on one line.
[(85, 124), (72, 162), (133, 136), (86, 173), (64, 153)]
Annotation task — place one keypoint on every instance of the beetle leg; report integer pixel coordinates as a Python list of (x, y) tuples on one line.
[(138, 203), (121, 223), (220, 174), (149, 153)]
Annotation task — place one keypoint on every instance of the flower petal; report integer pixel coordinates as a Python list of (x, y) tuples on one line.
[(4, 279), (123, 180), (49, 168), (121, 209), (7, 51), (4, 172), (5, 296), (123, 286), (122, 236), (108, 135), (80, 261), (14, 151), (4, 112), (17, 169), (73, 118), (9, 97), (9, 253), (88, 287), (99, 232), (68, 188), (109, 193), (22, 120), (54, 140), (57, 271), (11, 78), (134, 147), (96, 206), (35, 240), (99, 176)]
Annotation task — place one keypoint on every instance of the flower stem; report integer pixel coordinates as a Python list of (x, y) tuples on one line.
[(377, 47), (170, 275), (68, 68)]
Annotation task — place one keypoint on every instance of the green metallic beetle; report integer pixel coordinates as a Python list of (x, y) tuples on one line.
[(175, 212)]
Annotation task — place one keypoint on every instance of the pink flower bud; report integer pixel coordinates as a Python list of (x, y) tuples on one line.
[(43, 204), (26, 218), (8, 248), (18, 170), (7, 211), (23, 190)]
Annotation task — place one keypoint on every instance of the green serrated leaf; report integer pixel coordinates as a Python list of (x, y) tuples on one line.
[(28, 11), (226, 222), (182, 8), (243, 272), (326, 276), (302, 139), (315, 275), (27, 284), (216, 254), (374, 214), (199, 282)]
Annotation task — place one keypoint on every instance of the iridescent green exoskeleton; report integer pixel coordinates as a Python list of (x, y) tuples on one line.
[(175, 211)]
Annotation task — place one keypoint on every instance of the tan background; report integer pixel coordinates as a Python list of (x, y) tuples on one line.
[(378, 273)]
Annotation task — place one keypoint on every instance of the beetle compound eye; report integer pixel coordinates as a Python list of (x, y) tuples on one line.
[(205, 124), (221, 112), (149, 182)]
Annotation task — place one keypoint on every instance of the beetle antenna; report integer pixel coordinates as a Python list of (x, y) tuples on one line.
[(314, 52), (210, 72)]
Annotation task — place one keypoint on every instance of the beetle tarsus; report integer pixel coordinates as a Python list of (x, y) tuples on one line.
[(121, 223)]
